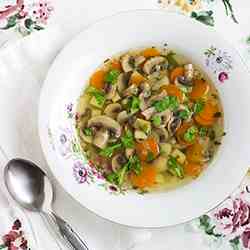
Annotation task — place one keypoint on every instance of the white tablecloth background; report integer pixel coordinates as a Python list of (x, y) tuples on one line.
[(23, 67)]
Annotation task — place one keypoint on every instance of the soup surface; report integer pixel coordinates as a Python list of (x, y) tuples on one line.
[(149, 119)]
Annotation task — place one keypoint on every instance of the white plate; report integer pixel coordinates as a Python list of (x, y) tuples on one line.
[(83, 55)]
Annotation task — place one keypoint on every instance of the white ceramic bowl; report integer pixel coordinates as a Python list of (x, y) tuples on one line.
[(66, 80)]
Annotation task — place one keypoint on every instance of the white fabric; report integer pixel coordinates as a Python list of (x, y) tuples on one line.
[(23, 67)]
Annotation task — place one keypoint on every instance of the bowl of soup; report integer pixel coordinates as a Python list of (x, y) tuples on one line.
[(147, 126)]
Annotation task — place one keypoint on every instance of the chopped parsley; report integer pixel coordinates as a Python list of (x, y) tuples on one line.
[(128, 140), (150, 156), (134, 104), (171, 60), (199, 106), (111, 76), (134, 164), (108, 151), (99, 96), (87, 131), (190, 134), (168, 102), (184, 114), (175, 168), (156, 120), (203, 131)]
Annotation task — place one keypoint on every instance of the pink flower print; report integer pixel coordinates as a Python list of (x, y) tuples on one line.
[(11, 9), (79, 171), (245, 238), (223, 76), (233, 217), (42, 11)]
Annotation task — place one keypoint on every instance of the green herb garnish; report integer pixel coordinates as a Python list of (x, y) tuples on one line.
[(87, 131), (175, 168), (150, 156), (134, 164), (156, 120), (171, 60), (108, 151), (128, 140), (190, 134), (117, 177), (99, 96), (184, 114), (203, 131), (199, 106), (111, 76), (134, 104), (170, 102)]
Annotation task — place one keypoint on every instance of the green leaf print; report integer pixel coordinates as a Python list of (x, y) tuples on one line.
[(235, 243), (205, 224), (205, 17)]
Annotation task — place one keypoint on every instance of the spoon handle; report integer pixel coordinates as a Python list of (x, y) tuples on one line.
[(69, 234)]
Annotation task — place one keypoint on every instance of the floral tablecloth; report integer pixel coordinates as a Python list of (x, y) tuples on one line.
[(31, 34)]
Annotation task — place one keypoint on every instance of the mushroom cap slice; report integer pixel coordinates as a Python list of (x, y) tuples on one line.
[(118, 161), (127, 63), (109, 124), (174, 124), (152, 62), (163, 134), (122, 81), (112, 110), (101, 138), (123, 117)]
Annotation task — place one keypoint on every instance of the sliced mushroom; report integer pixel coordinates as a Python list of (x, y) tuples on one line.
[(163, 134), (128, 63), (122, 81), (158, 97), (160, 164), (101, 138), (118, 161), (140, 135), (110, 90), (143, 125), (112, 110), (129, 152), (151, 63), (189, 71), (182, 80), (132, 90), (123, 117), (174, 124), (109, 124), (146, 89), (143, 103), (158, 84), (165, 117), (139, 60), (84, 117), (148, 113)]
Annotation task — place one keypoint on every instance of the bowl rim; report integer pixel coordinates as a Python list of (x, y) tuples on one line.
[(40, 109)]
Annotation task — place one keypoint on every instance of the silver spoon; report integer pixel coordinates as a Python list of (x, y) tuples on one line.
[(30, 187)]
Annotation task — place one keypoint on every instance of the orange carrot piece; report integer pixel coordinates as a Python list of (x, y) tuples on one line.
[(208, 111), (146, 178), (173, 90), (194, 153), (115, 64), (204, 122), (179, 71), (147, 146), (97, 79), (151, 52), (199, 90), (136, 78), (192, 169)]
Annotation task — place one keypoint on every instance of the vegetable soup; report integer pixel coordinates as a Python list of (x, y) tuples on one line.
[(149, 119)]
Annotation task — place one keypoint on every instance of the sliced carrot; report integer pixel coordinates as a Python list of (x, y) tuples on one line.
[(179, 71), (199, 90), (181, 131), (115, 64), (97, 79), (192, 169), (136, 78), (173, 90), (204, 122), (146, 178), (147, 146), (150, 52), (194, 153), (208, 111)]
